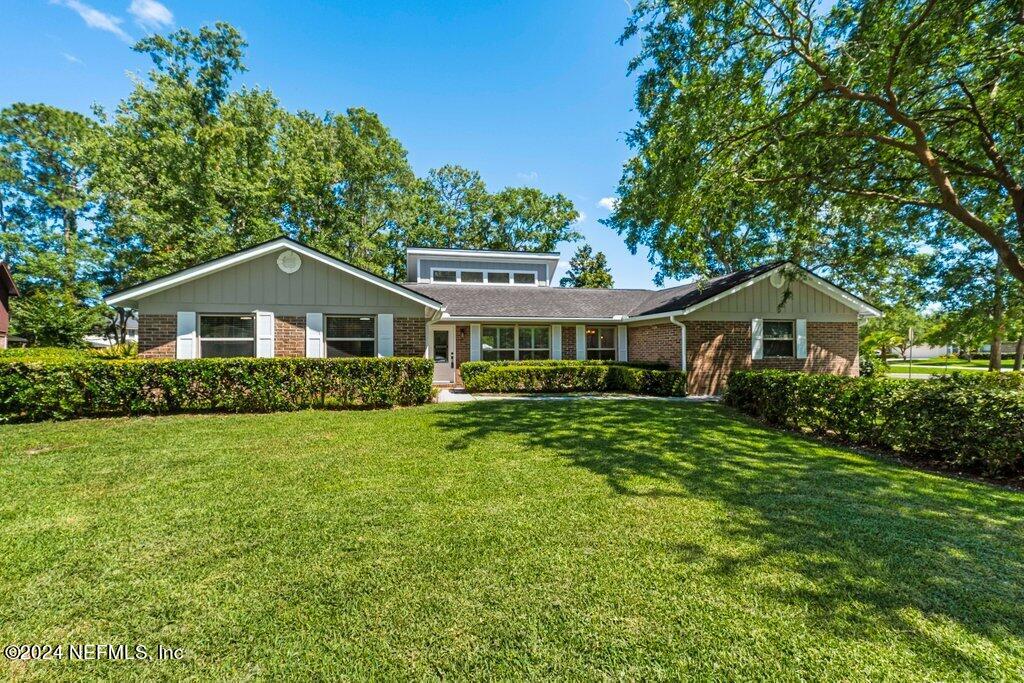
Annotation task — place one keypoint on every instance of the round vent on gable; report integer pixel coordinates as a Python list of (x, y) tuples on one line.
[(289, 262), (777, 279)]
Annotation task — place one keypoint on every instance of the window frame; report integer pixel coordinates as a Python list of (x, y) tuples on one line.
[(497, 338), (614, 349), (533, 349), (373, 338), (486, 274), (791, 339), (516, 347), (200, 338)]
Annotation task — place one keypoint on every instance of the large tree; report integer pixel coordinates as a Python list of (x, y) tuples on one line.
[(455, 209), (758, 116), (587, 269), (48, 220), (188, 166)]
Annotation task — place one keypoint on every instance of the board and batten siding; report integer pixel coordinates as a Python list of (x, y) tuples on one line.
[(761, 300), (260, 285)]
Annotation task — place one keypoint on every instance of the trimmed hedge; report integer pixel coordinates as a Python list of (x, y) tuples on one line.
[(968, 419), (571, 375), (50, 390)]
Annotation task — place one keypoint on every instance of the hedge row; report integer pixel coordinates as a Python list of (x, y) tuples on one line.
[(48, 390), (571, 375), (973, 420)]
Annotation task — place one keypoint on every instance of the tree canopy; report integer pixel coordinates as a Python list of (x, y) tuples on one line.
[(761, 118), (189, 167)]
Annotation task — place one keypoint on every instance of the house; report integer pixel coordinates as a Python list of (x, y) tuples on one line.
[(8, 290), (283, 298)]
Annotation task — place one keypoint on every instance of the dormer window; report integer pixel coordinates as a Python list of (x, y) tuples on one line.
[(498, 278), (445, 276), (472, 276)]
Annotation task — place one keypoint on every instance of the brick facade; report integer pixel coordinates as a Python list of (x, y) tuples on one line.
[(716, 348), (158, 335), (661, 343), (410, 336), (568, 342), (289, 336)]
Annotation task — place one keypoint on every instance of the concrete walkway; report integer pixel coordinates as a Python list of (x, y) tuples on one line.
[(447, 395)]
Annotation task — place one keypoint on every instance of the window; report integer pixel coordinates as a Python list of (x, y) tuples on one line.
[(349, 336), (534, 343), (444, 276), (498, 278), (474, 276), (498, 343), (778, 339), (227, 336), (600, 343), (525, 278)]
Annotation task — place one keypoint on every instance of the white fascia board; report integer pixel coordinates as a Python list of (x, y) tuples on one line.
[(225, 262), (651, 316), (485, 254), (523, 318)]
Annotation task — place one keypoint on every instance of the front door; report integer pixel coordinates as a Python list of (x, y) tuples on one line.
[(442, 345)]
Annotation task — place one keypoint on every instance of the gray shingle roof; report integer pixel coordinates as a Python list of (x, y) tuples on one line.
[(507, 301)]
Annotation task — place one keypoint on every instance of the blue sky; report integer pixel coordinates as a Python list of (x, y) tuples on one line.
[(528, 93)]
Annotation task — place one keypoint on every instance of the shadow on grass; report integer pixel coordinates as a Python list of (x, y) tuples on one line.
[(876, 542)]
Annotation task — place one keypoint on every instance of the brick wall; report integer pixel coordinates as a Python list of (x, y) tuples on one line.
[(289, 336), (661, 343), (568, 342), (461, 345), (716, 348), (158, 335), (410, 336)]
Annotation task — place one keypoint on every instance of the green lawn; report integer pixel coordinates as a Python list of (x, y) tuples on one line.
[(574, 539)]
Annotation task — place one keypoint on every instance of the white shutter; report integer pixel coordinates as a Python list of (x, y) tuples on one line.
[(556, 342), (186, 346), (315, 335), (622, 344), (801, 338), (385, 335), (581, 342), (757, 338), (264, 334), (474, 341)]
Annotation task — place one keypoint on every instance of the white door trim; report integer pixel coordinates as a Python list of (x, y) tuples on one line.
[(443, 373)]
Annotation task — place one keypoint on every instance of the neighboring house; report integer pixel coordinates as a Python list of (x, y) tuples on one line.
[(8, 290), (285, 299), (103, 341)]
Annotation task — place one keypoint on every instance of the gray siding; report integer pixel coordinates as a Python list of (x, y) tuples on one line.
[(541, 269), (761, 300), (260, 285)]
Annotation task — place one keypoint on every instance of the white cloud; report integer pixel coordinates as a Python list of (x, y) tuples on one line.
[(582, 217), (608, 203), (94, 18), (531, 176), (150, 14), (71, 58)]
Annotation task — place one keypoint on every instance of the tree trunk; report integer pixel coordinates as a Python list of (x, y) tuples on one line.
[(995, 358), (1020, 354)]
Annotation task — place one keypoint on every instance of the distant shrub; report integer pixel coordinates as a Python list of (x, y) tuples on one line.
[(974, 419), (872, 366), (571, 375), (39, 390)]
